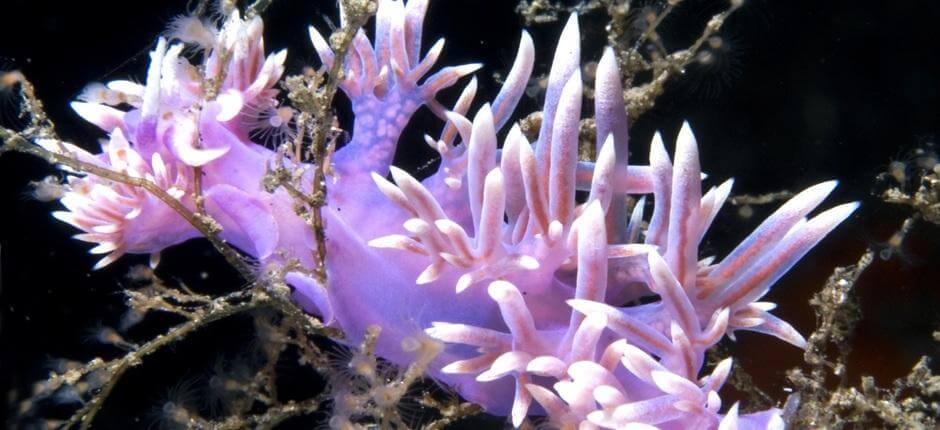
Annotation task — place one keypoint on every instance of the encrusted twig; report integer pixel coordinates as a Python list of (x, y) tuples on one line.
[(641, 98), (40, 124), (452, 413), (760, 199), (42, 127), (925, 200), (257, 8), (312, 94), (741, 380), (295, 327), (837, 313), (544, 11), (369, 391), (274, 415), (14, 141), (220, 308), (912, 401), (656, 68)]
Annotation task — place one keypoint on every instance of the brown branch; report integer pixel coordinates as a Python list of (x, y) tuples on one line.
[(452, 413), (277, 298), (315, 102), (40, 124), (274, 415), (759, 199), (13, 141), (221, 308), (357, 13), (257, 8), (640, 99)]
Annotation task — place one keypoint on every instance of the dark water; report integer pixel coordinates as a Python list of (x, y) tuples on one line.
[(806, 91)]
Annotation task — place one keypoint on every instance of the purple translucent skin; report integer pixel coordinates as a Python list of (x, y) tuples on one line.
[(491, 254)]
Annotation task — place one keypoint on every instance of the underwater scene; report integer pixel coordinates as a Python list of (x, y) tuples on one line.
[(470, 214)]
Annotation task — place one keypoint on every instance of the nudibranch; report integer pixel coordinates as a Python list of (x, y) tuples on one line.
[(493, 255)]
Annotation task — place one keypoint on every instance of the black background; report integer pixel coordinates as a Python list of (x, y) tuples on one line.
[(807, 91)]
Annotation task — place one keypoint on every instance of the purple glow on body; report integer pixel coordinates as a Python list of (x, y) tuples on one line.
[(492, 254)]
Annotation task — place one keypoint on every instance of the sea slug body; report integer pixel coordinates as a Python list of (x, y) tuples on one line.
[(492, 255)]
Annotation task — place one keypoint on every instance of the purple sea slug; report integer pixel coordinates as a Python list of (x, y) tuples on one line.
[(492, 255)]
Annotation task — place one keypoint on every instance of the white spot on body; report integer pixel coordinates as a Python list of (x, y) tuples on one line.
[(382, 128)]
